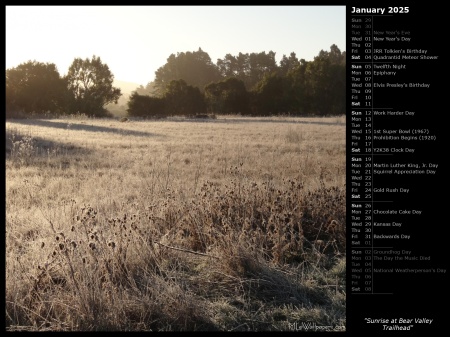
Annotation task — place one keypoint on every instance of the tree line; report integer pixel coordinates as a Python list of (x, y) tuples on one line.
[(189, 84), (37, 88)]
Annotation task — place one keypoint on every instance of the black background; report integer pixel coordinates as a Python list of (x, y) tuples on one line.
[(412, 295)]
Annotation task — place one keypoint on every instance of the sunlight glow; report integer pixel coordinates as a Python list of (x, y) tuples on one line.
[(134, 41)]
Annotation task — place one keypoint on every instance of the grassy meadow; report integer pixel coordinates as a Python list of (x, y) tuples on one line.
[(230, 224)]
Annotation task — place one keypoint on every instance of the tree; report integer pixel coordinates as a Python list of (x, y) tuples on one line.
[(227, 97), (34, 87), (90, 83), (232, 66), (148, 90), (288, 64), (298, 91), (269, 96), (195, 68), (262, 64), (336, 56), (183, 99), (325, 82), (249, 68), (145, 106)]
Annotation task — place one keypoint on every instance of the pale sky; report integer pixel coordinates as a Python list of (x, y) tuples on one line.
[(134, 41)]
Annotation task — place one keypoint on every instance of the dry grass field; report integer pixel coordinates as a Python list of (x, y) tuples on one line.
[(231, 224)]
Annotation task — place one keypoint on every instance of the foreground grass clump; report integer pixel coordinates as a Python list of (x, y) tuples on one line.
[(140, 248)]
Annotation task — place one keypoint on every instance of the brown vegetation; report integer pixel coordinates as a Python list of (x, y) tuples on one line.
[(227, 224)]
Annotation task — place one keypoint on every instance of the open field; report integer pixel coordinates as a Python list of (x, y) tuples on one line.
[(232, 223)]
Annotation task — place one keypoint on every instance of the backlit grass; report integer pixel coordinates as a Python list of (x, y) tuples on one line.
[(231, 223)]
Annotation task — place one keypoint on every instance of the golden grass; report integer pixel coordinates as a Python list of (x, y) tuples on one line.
[(231, 223)]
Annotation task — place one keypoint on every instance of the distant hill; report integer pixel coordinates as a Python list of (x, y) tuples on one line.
[(119, 109), (126, 87)]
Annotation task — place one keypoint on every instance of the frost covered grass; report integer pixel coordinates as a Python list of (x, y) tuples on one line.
[(233, 223)]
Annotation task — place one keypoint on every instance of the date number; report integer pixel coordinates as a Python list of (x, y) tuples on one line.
[(398, 10)]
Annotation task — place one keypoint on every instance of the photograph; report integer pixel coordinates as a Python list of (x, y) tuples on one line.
[(176, 168)]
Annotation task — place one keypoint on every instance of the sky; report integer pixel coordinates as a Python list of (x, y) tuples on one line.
[(134, 41)]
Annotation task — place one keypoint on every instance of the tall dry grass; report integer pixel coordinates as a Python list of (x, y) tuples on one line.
[(173, 225)]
